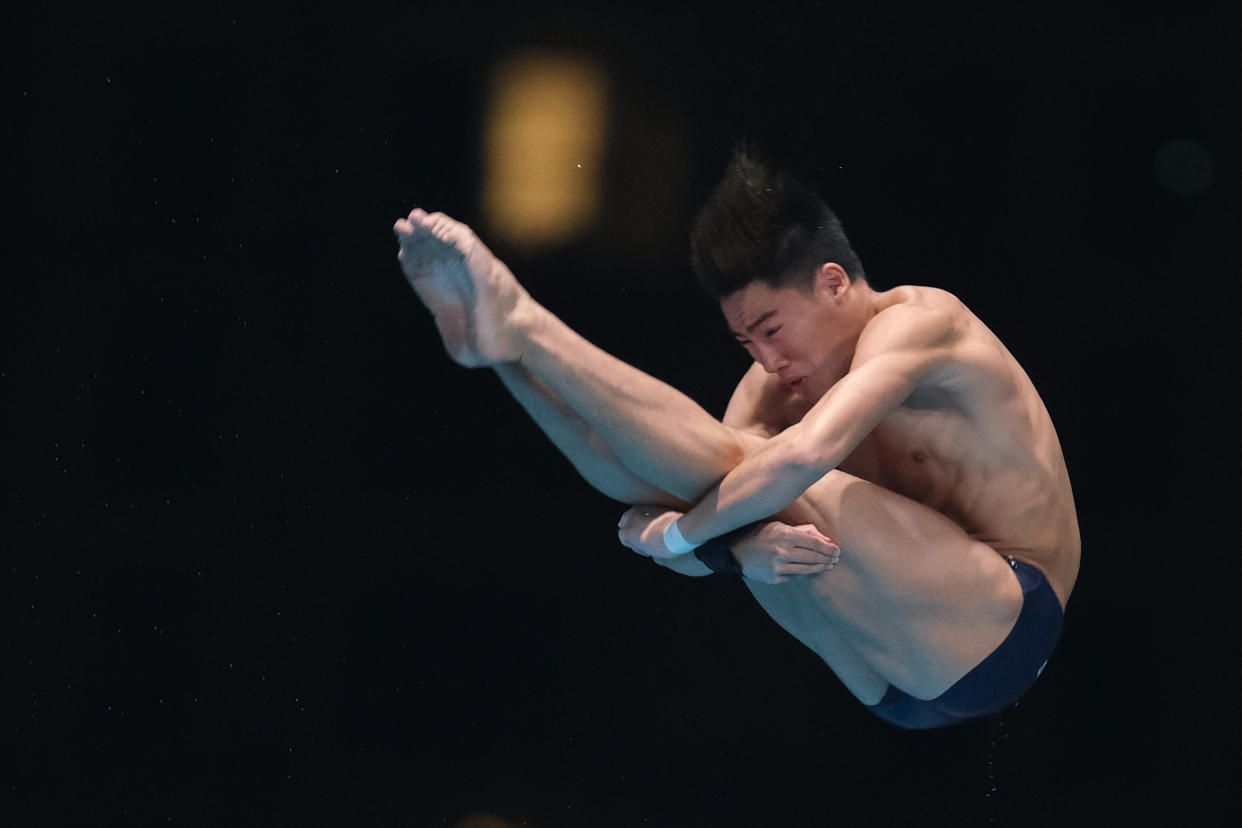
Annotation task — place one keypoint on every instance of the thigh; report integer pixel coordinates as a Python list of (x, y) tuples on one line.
[(795, 610), (920, 601)]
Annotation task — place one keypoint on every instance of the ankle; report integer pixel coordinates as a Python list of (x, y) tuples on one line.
[(529, 319), (538, 331)]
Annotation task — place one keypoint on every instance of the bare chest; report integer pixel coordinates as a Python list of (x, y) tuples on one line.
[(933, 455)]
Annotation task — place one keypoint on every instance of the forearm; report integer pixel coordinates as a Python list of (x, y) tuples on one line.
[(686, 564), (760, 486), (784, 467)]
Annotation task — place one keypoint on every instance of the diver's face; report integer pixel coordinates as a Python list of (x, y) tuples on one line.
[(786, 330)]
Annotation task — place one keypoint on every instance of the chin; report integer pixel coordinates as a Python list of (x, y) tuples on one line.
[(808, 391)]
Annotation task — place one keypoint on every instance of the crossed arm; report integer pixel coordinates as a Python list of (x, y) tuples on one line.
[(901, 349)]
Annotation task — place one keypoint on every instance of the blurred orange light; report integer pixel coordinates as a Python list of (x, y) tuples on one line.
[(544, 147)]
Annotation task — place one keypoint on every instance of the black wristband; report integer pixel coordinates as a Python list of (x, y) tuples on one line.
[(717, 555)]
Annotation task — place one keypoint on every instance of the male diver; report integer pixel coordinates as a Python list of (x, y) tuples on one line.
[(887, 436)]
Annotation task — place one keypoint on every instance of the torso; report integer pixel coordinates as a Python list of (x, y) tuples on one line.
[(976, 444)]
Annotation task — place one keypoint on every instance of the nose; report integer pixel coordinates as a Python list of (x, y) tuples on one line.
[(770, 359)]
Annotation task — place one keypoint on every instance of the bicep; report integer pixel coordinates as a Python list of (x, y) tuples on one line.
[(887, 369), (849, 411)]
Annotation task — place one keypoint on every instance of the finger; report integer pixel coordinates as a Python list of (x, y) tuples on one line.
[(628, 517), (814, 554), (813, 530), (827, 563), (820, 542), (637, 550), (802, 568), (625, 540), (825, 550)]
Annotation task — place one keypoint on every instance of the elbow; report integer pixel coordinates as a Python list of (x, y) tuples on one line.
[(804, 468), (809, 460)]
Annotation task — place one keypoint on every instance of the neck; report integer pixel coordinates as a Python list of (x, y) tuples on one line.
[(852, 316)]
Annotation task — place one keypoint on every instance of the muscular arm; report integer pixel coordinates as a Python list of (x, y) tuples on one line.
[(686, 564), (900, 349), (755, 408)]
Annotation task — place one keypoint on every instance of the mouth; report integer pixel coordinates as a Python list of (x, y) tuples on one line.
[(797, 385)]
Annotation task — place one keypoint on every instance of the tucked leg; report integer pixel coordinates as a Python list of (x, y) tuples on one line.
[(589, 453), (917, 598)]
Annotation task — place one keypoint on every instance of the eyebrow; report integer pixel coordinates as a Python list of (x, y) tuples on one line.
[(762, 318)]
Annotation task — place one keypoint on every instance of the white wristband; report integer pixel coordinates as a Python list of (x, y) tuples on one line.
[(675, 541)]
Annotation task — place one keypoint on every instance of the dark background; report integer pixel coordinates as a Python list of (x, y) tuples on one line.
[(270, 558)]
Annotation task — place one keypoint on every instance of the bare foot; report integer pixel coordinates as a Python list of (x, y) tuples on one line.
[(477, 303)]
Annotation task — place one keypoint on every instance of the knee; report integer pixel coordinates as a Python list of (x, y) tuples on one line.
[(821, 503), (743, 444)]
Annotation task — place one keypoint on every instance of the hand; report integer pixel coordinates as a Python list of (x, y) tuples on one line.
[(777, 551), (642, 530)]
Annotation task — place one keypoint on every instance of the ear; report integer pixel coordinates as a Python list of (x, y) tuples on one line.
[(831, 280)]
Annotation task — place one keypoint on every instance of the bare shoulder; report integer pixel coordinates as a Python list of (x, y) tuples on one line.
[(935, 329), (915, 319), (762, 405)]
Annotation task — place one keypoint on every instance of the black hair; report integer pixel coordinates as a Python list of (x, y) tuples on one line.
[(764, 225)]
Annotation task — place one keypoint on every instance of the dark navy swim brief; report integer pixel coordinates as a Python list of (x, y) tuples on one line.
[(999, 679)]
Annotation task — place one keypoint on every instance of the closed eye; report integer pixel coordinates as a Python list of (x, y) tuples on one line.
[(768, 333)]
